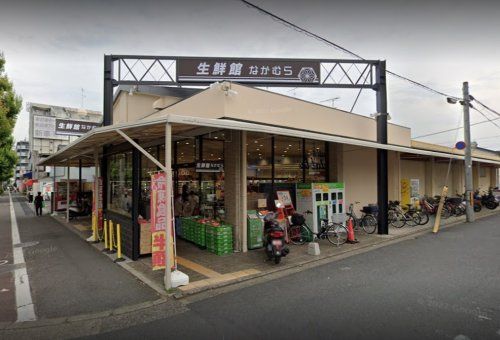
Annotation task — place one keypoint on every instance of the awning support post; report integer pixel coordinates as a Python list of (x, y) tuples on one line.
[(67, 192), (80, 189), (168, 199), (243, 191)]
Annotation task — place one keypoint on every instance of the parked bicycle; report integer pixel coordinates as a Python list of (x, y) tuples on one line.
[(430, 205), (398, 217), (299, 232), (367, 221)]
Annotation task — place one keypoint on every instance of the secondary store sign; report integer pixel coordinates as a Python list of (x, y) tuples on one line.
[(74, 127), (159, 221), (57, 128), (248, 70)]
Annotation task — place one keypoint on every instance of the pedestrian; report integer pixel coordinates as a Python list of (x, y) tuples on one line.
[(38, 204)]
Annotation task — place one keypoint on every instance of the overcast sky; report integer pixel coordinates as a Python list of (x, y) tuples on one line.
[(56, 48)]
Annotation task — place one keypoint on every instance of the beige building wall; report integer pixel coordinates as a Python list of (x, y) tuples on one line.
[(429, 177), (484, 182), (394, 175), (440, 171), (130, 108), (206, 104), (360, 175), (260, 106)]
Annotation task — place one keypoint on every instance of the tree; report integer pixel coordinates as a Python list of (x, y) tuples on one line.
[(10, 105)]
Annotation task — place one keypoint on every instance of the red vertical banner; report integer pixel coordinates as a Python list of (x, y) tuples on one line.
[(98, 188), (159, 221)]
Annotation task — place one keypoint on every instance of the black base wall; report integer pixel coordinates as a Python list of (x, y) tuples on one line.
[(126, 231)]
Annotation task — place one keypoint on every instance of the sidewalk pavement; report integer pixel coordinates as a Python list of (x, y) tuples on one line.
[(208, 271), (66, 276)]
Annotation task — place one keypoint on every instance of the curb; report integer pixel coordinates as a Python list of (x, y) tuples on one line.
[(81, 317)]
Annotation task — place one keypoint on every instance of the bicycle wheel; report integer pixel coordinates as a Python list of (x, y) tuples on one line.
[(336, 234), (298, 234), (396, 219), (445, 213), (424, 217), (369, 223), (412, 218)]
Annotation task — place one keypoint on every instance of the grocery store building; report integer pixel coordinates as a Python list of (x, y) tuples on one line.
[(235, 145)]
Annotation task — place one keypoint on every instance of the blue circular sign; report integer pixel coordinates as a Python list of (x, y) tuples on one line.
[(460, 145)]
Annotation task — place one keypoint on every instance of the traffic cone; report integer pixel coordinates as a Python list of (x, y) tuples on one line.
[(350, 232)]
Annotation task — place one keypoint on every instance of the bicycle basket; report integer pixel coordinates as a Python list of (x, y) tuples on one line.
[(298, 219)]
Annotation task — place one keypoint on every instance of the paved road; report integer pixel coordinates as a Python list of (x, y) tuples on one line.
[(67, 276), (432, 287)]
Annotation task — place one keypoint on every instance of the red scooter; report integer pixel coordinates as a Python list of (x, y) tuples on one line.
[(274, 239)]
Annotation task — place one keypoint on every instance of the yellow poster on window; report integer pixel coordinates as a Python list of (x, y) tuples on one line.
[(405, 191)]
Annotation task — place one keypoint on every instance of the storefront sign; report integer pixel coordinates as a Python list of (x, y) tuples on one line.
[(159, 221), (248, 70), (209, 167), (74, 127), (284, 197)]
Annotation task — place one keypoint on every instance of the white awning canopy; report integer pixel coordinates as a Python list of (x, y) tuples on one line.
[(148, 130)]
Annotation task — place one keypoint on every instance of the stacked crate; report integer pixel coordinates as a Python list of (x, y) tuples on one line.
[(199, 234), (219, 240), (188, 225)]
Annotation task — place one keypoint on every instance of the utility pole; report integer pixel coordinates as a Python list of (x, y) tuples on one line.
[(382, 177), (469, 211)]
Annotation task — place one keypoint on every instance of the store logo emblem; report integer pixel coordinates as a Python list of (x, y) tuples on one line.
[(307, 75)]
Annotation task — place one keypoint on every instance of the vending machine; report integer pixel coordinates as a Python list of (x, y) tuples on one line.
[(322, 201)]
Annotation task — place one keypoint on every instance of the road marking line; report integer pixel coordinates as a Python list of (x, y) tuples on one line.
[(24, 302)]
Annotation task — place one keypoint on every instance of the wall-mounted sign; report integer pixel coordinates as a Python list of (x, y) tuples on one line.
[(248, 70), (45, 127), (209, 167), (415, 187), (74, 127)]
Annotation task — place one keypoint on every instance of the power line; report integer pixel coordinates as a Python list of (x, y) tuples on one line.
[(485, 116), (485, 106), (450, 130), (338, 47)]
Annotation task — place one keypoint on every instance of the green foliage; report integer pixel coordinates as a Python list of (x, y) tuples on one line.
[(10, 105)]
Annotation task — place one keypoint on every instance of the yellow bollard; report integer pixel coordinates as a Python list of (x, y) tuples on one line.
[(105, 227), (119, 257), (94, 228), (111, 236)]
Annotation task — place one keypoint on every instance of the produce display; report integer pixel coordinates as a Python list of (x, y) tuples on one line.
[(217, 237)]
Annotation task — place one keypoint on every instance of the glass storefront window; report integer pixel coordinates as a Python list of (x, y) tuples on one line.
[(187, 151), (259, 169), (120, 183), (147, 168), (211, 193), (288, 159), (316, 161)]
